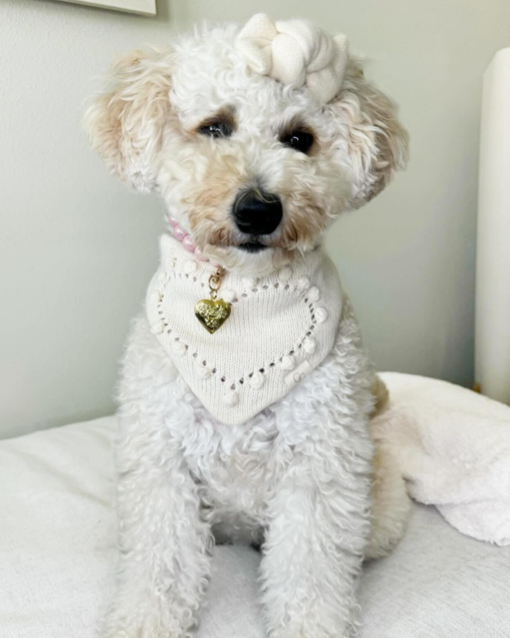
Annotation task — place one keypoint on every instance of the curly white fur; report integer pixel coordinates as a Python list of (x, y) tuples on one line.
[(297, 477)]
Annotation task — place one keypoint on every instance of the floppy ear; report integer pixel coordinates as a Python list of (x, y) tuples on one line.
[(126, 122), (377, 143)]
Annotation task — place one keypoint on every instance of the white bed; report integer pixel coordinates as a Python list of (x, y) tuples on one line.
[(57, 554)]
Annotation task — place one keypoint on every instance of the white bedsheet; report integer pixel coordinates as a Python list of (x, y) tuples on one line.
[(57, 557)]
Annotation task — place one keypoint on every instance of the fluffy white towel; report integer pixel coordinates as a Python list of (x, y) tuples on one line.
[(295, 52), (453, 449)]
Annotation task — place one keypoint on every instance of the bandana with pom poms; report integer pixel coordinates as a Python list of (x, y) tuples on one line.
[(281, 327)]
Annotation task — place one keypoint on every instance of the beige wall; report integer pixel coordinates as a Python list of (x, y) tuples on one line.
[(77, 249)]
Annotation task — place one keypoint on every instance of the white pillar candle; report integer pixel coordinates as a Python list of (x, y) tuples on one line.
[(492, 346)]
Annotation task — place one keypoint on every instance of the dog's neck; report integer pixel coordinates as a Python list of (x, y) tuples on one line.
[(234, 260), (187, 242)]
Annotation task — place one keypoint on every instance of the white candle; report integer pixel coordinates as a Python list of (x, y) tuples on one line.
[(492, 346)]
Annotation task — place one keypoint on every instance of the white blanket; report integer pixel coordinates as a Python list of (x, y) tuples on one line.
[(453, 449), (58, 548)]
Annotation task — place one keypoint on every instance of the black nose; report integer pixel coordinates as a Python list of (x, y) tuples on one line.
[(257, 213)]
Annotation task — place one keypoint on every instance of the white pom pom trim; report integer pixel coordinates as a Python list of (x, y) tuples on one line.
[(285, 274), (231, 398), (303, 284), (204, 372), (321, 314), (178, 348), (314, 294), (190, 266), (309, 345), (157, 328), (287, 362), (249, 282), (257, 380), (229, 295)]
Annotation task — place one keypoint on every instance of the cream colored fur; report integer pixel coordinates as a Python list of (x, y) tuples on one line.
[(297, 477)]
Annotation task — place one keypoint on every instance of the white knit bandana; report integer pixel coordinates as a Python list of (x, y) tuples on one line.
[(281, 327)]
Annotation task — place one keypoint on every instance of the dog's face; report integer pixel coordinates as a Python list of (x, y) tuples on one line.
[(253, 170)]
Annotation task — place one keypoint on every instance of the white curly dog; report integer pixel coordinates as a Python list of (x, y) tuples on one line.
[(245, 416)]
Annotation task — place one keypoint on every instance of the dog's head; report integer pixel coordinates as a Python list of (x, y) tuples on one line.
[(252, 168)]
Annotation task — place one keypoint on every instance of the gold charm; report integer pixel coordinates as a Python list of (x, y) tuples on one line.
[(212, 313)]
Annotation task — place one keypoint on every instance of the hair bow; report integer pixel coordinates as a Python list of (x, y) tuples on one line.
[(295, 52)]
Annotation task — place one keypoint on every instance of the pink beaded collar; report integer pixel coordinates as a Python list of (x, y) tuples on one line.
[(181, 235)]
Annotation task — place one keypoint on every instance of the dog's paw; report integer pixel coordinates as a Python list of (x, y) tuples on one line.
[(147, 621), (150, 631), (311, 634)]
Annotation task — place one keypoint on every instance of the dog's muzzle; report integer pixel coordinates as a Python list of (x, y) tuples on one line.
[(257, 213)]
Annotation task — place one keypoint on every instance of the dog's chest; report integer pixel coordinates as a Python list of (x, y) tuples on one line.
[(235, 467)]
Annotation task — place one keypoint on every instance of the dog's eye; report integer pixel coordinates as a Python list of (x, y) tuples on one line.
[(216, 129), (299, 140)]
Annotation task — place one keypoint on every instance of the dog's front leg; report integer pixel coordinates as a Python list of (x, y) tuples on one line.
[(164, 542), (312, 556), (319, 512)]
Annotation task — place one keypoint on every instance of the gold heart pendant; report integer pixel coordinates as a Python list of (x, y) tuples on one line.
[(212, 314)]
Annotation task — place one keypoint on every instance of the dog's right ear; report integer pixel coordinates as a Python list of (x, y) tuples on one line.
[(126, 122)]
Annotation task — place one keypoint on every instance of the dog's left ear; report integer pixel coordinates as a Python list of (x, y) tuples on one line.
[(377, 143), (126, 122)]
